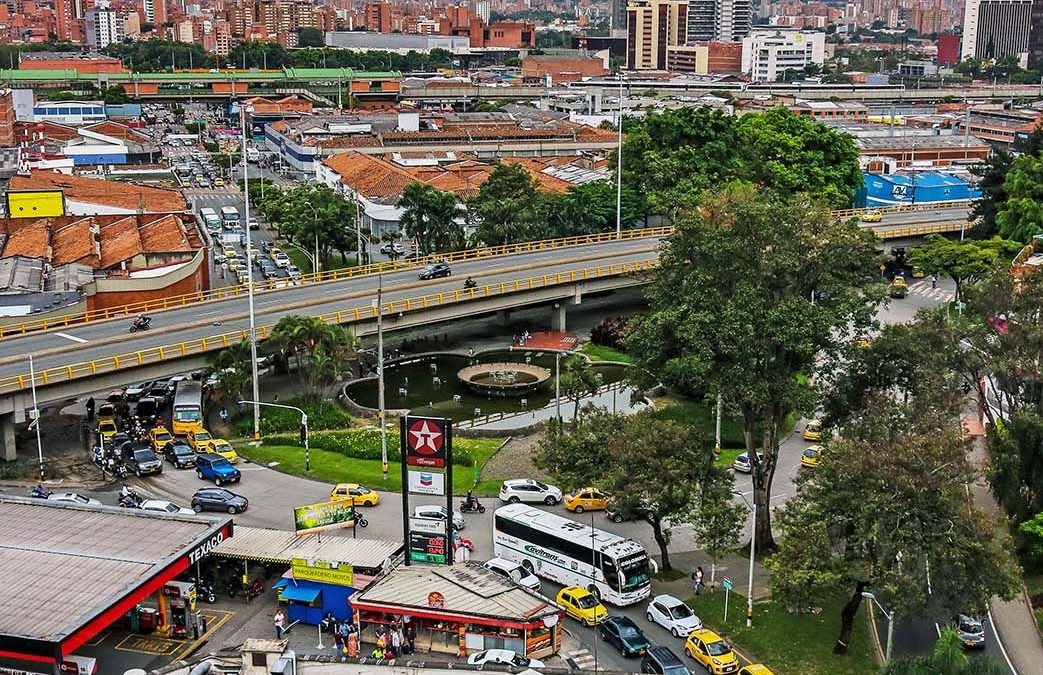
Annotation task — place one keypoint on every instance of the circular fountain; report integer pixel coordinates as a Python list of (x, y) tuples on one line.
[(504, 379)]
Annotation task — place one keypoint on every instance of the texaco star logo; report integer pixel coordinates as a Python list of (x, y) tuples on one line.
[(427, 438)]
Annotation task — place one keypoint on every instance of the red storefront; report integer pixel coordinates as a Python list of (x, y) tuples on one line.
[(460, 609)]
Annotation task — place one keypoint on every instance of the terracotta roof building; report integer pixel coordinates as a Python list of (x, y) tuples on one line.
[(563, 69), (89, 196)]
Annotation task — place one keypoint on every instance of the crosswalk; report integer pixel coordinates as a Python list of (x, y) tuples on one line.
[(582, 659), (938, 294)]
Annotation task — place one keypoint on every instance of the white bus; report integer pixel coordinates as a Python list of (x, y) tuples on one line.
[(210, 218), (573, 554), (230, 215)]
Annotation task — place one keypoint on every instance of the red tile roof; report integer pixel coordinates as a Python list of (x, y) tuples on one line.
[(75, 242), (123, 195)]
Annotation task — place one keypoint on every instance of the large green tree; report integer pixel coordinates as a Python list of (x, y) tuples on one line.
[(431, 217), (591, 208), (313, 215), (507, 207), (887, 509), (655, 467), (965, 262), (751, 290), (1021, 216), (992, 181)]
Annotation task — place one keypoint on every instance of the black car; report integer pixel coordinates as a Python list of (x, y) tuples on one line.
[(218, 499), (617, 515), (662, 661), (119, 440), (180, 454), (625, 635), (158, 391), (435, 270), (141, 459)]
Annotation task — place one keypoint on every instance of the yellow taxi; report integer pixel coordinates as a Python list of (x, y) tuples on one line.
[(219, 182), (755, 669), (222, 447), (582, 605), (872, 216), (200, 440), (360, 494), (586, 499), (813, 431), (711, 651), (107, 429), (809, 458), (159, 437), (230, 252)]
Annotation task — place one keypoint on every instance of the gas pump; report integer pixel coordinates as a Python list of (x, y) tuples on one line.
[(182, 605)]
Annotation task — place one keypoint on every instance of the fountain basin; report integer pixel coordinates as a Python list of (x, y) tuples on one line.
[(504, 379)]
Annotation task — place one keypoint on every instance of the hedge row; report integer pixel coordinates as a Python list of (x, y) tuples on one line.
[(280, 420), (358, 444)]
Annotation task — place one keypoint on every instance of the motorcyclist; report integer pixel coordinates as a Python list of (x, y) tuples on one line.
[(38, 491), (472, 502), (127, 492), (470, 283), (223, 414)]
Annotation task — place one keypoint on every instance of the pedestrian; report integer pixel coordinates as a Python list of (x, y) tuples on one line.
[(411, 638), (698, 580), (90, 408), (934, 281), (377, 653), (338, 636), (353, 645), (396, 641), (280, 622)]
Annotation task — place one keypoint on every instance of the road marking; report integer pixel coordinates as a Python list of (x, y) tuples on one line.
[(583, 659), (999, 643), (215, 311), (71, 337)]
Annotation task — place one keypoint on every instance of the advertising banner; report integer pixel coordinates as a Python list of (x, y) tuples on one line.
[(426, 482), (322, 571), (429, 548), (427, 442), (324, 516)]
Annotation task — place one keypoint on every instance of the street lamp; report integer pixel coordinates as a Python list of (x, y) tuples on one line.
[(890, 623), (753, 544), (315, 225), (378, 304), (304, 424), (619, 164), (250, 277)]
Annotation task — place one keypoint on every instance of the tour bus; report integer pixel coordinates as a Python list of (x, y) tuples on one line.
[(573, 554), (230, 216), (188, 408)]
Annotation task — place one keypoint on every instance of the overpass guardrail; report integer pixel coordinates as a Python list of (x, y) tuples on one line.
[(133, 359), (240, 291)]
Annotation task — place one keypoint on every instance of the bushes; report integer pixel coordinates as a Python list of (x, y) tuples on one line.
[(280, 420), (359, 444), (611, 332)]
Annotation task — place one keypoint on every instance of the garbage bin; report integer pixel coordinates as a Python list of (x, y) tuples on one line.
[(148, 619)]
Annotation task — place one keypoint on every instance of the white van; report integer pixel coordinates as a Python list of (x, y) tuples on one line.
[(210, 219), (229, 216)]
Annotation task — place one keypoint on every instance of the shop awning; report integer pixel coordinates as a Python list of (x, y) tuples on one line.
[(299, 594), (368, 556)]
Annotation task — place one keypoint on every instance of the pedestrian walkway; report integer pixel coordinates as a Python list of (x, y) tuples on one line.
[(938, 294)]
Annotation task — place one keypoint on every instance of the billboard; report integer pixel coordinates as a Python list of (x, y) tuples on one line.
[(305, 569), (35, 203), (426, 482), (324, 516), (427, 441)]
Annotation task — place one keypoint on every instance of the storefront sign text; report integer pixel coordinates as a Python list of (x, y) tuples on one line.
[(322, 571)]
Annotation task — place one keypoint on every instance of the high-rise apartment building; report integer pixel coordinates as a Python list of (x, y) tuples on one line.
[(102, 27), (1036, 36), (994, 29), (618, 17), (155, 12), (652, 26), (768, 54), (719, 20), (65, 21), (378, 16)]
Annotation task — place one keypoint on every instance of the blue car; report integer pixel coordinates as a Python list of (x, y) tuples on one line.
[(210, 466)]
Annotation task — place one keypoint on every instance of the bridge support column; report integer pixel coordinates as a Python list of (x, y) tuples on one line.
[(7, 436), (503, 318), (557, 317)]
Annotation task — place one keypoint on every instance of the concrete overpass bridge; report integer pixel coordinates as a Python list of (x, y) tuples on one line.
[(82, 354)]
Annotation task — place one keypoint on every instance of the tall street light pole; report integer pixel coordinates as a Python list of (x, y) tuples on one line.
[(753, 544), (250, 276), (619, 164), (315, 226), (379, 306)]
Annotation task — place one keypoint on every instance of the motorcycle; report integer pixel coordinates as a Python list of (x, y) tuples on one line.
[(140, 323), (470, 283), (130, 501), (119, 469), (223, 414), (254, 590), (39, 493), (472, 506), (205, 592)]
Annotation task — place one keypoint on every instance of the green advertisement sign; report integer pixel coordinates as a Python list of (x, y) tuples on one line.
[(324, 516)]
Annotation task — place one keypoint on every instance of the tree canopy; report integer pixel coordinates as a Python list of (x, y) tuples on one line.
[(312, 214), (673, 157), (965, 262), (1021, 215), (750, 290), (431, 217)]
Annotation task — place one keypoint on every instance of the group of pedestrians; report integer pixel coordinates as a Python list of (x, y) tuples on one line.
[(394, 640)]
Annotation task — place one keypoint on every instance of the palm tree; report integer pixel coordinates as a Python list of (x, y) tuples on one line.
[(341, 346), (231, 368), (430, 216)]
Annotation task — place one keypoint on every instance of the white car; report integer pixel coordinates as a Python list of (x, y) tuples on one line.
[(505, 656), (673, 615), (742, 463), (166, 507), (392, 247), (529, 490), (281, 260), (438, 513), (513, 571), (73, 498)]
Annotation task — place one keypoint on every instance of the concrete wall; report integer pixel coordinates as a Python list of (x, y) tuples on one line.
[(193, 277)]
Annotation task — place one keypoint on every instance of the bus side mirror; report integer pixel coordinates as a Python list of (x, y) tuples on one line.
[(652, 563)]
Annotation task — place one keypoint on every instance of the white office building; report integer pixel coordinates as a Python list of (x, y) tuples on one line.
[(102, 27), (767, 54), (994, 29)]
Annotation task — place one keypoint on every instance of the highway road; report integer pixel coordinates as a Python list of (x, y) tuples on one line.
[(97, 340)]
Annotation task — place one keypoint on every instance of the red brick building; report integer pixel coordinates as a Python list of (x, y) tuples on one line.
[(81, 63), (562, 69)]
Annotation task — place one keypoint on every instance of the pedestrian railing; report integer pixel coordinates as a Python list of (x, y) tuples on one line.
[(134, 359), (904, 208), (920, 230)]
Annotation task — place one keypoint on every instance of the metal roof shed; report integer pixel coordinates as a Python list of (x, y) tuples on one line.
[(257, 544)]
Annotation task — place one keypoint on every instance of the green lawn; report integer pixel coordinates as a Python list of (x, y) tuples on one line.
[(602, 353), (790, 644), (704, 417), (727, 457), (300, 260), (333, 467)]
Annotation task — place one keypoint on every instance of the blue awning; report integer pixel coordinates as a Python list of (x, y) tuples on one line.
[(280, 583), (299, 594)]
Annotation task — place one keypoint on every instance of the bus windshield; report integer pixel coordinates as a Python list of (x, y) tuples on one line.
[(635, 572), (187, 413)]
